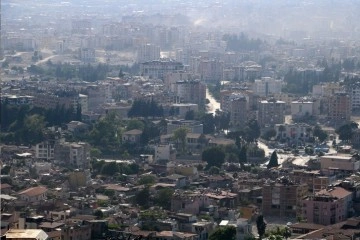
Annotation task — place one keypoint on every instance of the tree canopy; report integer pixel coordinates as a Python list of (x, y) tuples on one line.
[(273, 160), (214, 156), (346, 131), (222, 233), (260, 225), (145, 108)]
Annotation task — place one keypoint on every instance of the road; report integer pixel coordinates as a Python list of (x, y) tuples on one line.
[(213, 104)]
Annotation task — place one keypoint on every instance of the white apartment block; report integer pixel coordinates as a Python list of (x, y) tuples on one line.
[(300, 109), (44, 150), (267, 86), (163, 152), (148, 52), (354, 93)]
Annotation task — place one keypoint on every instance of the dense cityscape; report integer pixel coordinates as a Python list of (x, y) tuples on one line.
[(169, 120)]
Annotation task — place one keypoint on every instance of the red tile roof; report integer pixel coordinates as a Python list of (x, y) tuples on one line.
[(34, 191)]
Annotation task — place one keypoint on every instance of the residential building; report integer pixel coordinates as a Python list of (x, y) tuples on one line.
[(181, 109), (210, 70), (33, 195), (328, 206), (267, 86), (339, 163), (148, 52), (339, 107), (164, 152), (282, 198), (300, 109), (159, 68), (313, 179), (132, 136), (293, 132), (192, 125), (239, 106), (87, 55), (26, 234), (190, 92), (45, 150), (271, 112), (74, 154)]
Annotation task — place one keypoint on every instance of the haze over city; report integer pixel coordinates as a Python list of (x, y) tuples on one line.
[(180, 119)]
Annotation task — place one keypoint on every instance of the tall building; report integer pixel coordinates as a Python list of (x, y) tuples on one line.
[(339, 107), (148, 52), (283, 198), (271, 112), (191, 92), (238, 110)]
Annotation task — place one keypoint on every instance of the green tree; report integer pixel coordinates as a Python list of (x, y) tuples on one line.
[(109, 169), (147, 180), (243, 154), (346, 131), (269, 134), (163, 198), (214, 170), (214, 156), (273, 160), (142, 197), (222, 233), (261, 226), (99, 214), (319, 133), (180, 136), (135, 124)]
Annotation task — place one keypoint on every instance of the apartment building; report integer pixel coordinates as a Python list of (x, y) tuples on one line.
[(282, 198), (328, 206), (313, 179), (74, 154), (191, 92), (159, 68), (339, 163), (271, 112), (339, 107), (267, 86), (238, 111), (148, 52)]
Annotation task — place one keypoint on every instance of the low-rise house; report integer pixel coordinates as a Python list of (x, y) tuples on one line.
[(24, 234), (339, 163), (5, 188), (132, 136), (177, 179), (34, 194)]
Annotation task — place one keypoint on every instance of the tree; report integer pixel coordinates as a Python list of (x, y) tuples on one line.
[(147, 180), (320, 134), (281, 130), (269, 134), (180, 135), (273, 160), (214, 170), (222, 233), (135, 124), (243, 154), (99, 214), (260, 225), (142, 197), (214, 156), (346, 131), (163, 198)]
